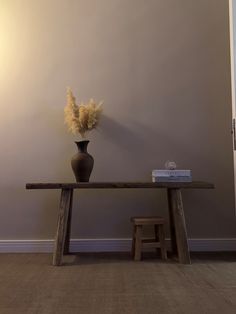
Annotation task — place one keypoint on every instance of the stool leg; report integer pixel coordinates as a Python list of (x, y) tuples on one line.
[(133, 242), (138, 243), (162, 242), (157, 236)]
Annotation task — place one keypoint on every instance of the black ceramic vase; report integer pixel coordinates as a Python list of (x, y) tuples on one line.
[(82, 162)]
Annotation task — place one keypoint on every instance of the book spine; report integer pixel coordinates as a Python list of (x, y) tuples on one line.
[(171, 179), (171, 173)]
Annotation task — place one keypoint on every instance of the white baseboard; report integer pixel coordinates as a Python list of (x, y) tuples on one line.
[(108, 245)]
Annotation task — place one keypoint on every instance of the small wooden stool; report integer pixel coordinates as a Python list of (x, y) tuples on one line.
[(159, 241)]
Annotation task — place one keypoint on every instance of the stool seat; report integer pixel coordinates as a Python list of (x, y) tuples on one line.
[(158, 242), (144, 220)]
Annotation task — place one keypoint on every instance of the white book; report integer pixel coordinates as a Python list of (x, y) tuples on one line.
[(171, 179), (171, 173)]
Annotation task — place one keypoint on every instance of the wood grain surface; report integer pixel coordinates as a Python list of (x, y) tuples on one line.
[(122, 185)]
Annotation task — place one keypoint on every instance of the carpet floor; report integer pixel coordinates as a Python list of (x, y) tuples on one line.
[(111, 283)]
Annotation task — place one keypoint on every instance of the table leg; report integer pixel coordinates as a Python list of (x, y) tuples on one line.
[(172, 225), (178, 226), (61, 226), (67, 239)]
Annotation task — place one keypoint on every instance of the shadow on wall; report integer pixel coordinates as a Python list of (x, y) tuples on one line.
[(132, 138), (125, 137), (139, 138)]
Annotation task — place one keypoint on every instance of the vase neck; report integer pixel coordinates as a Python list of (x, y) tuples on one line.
[(82, 146)]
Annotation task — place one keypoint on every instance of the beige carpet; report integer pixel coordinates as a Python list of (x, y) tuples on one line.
[(113, 283)]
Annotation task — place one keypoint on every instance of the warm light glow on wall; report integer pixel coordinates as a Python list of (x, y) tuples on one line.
[(5, 42), (9, 44)]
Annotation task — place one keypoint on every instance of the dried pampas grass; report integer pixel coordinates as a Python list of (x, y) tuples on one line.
[(83, 117)]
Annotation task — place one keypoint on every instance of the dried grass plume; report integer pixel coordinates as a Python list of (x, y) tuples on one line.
[(83, 117)]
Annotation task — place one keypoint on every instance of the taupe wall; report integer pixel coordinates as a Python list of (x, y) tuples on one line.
[(162, 69)]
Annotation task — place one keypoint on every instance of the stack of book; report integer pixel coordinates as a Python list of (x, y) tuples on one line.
[(171, 176)]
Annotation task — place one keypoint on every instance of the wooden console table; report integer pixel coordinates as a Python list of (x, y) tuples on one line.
[(178, 231)]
